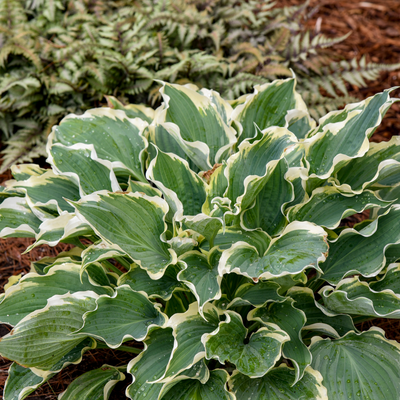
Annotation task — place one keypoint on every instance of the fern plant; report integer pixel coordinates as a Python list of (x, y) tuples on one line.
[(213, 250), (58, 57)]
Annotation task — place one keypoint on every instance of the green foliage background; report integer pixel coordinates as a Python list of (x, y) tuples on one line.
[(59, 57)]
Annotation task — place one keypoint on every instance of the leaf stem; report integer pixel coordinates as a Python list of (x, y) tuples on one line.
[(123, 262), (253, 327), (128, 349), (112, 267), (315, 284)]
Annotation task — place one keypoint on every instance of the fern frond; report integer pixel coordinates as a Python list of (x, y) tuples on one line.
[(24, 146), (12, 15), (241, 83), (59, 57), (321, 105), (303, 45), (18, 48)]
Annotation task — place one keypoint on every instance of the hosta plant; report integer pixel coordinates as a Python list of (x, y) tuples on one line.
[(210, 243)]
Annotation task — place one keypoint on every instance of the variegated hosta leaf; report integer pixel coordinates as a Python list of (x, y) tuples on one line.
[(179, 302), (388, 177), (46, 193), (328, 206), (358, 366), (80, 162), (12, 280), (299, 122), (72, 357), (320, 319), (115, 137), (290, 320), (5, 193), (197, 371), (134, 222), (249, 169), (266, 213), (201, 276), (99, 252), (343, 135), (188, 330), (217, 184), (390, 281), (150, 365), (267, 106), (43, 265), (230, 283), (62, 228), (167, 137), (198, 120), (255, 294), (214, 388), (125, 315), (277, 384), (389, 193), (50, 330), (298, 178), (182, 244), (22, 381), (140, 281), (95, 384), (222, 208), (205, 225), (356, 298), (287, 281), (301, 245), (294, 156), (131, 110), (227, 237), (100, 276), (183, 189), (22, 172), (97, 275), (361, 172), (223, 108), (362, 252), (146, 188), (32, 291), (253, 359), (17, 219)]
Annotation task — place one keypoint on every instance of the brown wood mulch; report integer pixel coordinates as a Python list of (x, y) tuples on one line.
[(375, 27)]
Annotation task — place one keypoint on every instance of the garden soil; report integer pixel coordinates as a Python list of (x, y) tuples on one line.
[(375, 27)]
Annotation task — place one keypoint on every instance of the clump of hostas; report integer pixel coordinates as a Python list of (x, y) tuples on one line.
[(213, 244)]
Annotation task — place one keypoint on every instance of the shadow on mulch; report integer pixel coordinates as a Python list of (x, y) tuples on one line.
[(375, 34)]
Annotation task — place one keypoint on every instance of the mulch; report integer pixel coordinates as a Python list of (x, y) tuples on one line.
[(375, 27)]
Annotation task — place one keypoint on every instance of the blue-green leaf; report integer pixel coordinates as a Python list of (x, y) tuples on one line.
[(125, 315), (301, 245), (134, 222), (277, 384), (96, 384), (358, 366), (267, 106), (256, 357)]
